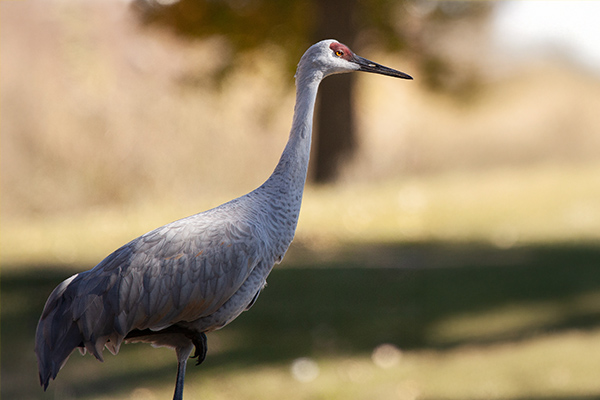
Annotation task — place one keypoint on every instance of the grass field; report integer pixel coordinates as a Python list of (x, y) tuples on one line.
[(466, 321), (487, 298), (504, 208)]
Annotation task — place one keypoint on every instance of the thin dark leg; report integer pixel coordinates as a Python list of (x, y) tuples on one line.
[(182, 356)]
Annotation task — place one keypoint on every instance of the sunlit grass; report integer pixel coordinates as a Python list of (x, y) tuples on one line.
[(518, 317), (502, 207), (550, 366)]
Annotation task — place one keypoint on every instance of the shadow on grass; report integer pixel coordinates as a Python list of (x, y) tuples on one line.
[(369, 295)]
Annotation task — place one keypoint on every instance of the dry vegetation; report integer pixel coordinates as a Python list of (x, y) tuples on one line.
[(99, 114), (106, 128), (109, 131)]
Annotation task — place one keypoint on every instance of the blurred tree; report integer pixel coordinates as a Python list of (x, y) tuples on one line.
[(292, 25)]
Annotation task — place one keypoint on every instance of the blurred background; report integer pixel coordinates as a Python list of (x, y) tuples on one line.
[(447, 246)]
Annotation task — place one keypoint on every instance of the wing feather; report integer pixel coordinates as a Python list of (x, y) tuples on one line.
[(177, 273)]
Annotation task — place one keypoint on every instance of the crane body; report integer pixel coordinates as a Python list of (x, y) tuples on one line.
[(172, 285)]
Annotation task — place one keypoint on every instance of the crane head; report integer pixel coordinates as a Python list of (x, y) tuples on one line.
[(333, 57)]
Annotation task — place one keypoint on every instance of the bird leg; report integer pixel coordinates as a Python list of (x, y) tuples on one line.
[(183, 353)]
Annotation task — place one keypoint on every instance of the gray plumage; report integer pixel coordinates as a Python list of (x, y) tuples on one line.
[(195, 275)]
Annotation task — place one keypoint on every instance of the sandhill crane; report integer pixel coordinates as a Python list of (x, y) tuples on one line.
[(195, 275)]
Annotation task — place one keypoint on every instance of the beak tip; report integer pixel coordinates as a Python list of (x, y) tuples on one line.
[(370, 66)]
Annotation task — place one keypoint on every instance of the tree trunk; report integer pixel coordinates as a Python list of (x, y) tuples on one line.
[(334, 134)]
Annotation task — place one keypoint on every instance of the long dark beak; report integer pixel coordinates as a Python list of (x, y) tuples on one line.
[(370, 66)]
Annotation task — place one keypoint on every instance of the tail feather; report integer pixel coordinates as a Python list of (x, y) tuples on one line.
[(60, 330), (53, 356), (56, 335)]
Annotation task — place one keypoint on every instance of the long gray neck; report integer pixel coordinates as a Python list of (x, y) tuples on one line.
[(282, 193), (289, 175)]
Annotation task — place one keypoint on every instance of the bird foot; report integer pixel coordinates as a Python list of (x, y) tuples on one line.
[(199, 342)]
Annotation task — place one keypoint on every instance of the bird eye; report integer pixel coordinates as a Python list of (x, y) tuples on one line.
[(339, 53)]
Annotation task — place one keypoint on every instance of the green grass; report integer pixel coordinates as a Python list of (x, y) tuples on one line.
[(471, 322)]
